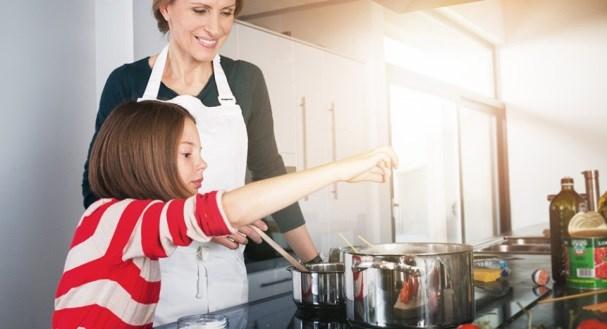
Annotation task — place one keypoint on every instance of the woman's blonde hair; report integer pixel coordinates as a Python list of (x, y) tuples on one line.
[(163, 26), (135, 152)]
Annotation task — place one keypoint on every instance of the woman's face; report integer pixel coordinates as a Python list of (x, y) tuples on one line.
[(200, 27), (189, 162)]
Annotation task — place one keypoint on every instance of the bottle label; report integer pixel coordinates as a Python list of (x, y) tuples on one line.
[(587, 262)]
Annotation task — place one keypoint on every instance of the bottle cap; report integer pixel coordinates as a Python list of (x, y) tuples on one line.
[(566, 180), (540, 277)]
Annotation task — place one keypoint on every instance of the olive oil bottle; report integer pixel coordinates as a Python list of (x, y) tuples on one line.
[(564, 206)]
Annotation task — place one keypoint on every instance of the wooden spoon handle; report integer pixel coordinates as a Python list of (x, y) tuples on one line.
[(280, 250), (583, 294)]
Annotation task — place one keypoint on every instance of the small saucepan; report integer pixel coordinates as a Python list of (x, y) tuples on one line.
[(322, 286)]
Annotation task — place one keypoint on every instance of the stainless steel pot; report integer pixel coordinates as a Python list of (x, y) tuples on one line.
[(412, 285), (322, 286)]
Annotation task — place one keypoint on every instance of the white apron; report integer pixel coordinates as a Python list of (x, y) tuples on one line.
[(206, 277)]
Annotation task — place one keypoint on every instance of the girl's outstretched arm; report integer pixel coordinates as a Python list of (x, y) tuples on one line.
[(153, 229), (259, 199)]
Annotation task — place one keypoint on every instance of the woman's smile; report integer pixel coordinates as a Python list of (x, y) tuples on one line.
[(207, 42)]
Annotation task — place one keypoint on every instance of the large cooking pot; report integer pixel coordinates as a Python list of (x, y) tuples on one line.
[(322, 286), (412, 285)]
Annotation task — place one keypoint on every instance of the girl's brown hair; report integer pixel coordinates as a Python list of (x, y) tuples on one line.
[(163, 26), (135, 152)]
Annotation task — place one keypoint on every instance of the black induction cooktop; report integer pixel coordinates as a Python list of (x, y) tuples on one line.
[(496, 304)]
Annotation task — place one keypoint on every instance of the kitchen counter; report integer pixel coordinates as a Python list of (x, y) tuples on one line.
[(497, 307), (567, 314)]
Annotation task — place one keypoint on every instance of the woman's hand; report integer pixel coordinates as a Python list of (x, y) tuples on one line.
[(242, 236), (373, 166)]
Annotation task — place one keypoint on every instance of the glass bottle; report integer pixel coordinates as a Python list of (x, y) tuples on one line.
[(564, 205), (591, 180)]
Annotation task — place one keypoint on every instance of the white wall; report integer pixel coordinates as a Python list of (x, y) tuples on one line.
[(114, 42), (553, 78), (48, 94), (147, 39)]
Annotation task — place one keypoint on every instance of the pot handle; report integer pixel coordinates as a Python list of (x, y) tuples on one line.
[(385, 265)]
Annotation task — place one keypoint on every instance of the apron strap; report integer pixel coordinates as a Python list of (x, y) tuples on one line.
[(153, 86), (223, 88)]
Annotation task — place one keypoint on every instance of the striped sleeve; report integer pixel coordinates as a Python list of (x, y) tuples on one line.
[(163, 226)]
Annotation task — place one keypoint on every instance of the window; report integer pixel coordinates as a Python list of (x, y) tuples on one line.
[(426, 188), (446, 128)]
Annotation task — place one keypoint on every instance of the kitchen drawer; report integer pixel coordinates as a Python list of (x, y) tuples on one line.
[(268, 283)]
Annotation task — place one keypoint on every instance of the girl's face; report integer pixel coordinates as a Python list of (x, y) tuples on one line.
[(189, 162), (199, 27)]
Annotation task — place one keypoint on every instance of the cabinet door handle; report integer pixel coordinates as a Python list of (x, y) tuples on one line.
[(304, 135), (397, 215), (271, 283), (333, 145)]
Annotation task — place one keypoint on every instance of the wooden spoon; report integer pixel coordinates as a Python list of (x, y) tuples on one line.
[(366, 242), (280, 250), (347, 242)]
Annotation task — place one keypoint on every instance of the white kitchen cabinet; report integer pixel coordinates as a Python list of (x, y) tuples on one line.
[(292, 76), (313, 131), (331, 86), (348, 204), (319, 115), (274, 55)]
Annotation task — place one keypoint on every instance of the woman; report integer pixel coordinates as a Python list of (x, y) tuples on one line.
[(237, 131)]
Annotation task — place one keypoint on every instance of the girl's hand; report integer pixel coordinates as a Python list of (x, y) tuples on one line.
[(233, 241), (373, 166), (249, 232), (230, 241)]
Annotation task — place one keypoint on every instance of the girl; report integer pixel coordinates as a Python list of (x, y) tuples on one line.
[(146, 166)]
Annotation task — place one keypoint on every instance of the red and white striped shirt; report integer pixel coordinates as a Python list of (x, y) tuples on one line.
[(111, 277)]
